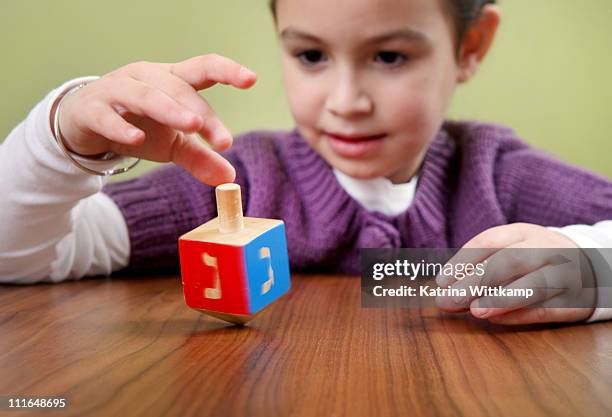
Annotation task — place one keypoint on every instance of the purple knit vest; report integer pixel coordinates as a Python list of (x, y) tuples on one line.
[(475, 176)]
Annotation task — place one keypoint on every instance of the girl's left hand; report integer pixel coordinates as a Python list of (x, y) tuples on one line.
[(554, 274)]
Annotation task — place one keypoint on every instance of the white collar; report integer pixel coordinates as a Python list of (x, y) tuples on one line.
[(379, 194)]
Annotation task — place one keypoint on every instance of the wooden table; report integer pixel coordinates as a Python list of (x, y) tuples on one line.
[(130, 347)]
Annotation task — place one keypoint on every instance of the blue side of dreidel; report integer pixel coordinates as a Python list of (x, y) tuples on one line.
[(267, 266)]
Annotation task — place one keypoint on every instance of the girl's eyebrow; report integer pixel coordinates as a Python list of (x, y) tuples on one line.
[(407, 34)]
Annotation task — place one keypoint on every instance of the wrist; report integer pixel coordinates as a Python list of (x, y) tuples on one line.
[(77, 158), (57, 131)]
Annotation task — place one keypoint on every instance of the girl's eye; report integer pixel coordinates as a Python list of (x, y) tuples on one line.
[(311, 57), (391, 59)]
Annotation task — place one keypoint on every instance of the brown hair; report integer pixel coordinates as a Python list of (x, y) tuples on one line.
[(462, 12)]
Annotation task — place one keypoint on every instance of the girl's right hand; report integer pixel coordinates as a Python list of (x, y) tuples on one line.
[(153, 111)]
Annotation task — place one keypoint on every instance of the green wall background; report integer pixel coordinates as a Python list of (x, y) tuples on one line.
[(548, 75)]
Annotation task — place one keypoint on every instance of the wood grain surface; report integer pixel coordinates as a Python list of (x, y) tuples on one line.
[(130, 347)]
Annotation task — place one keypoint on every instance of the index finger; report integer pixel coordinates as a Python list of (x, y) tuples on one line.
[(207, 166), (204, 71)]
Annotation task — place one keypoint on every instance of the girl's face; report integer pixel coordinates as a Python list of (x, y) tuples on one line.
[(368, 81)]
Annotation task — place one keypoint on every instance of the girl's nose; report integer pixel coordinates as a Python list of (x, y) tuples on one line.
[(347, 99)]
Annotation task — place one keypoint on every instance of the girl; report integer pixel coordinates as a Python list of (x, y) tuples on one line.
[(371, 162)]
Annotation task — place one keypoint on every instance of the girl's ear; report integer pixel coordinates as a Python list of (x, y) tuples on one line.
[(476, 42)]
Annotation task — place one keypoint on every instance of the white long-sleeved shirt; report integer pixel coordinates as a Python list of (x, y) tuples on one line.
[(57, 225)]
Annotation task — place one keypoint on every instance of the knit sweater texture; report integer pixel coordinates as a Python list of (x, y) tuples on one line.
[(474, 176)]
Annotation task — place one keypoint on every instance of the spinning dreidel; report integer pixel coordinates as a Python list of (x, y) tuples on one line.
[(233, 266)]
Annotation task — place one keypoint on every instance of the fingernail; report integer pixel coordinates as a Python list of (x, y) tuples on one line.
[(192, 118), (222, 138), (460, 300), (133, 134), (442, 281), (231, 177), (481, 312), (246, 74)]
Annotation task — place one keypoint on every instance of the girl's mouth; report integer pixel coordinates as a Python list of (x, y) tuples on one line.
[(355, 145)]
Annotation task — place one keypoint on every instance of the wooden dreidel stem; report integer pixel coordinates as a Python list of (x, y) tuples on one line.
[(229, 208), (231, 220)]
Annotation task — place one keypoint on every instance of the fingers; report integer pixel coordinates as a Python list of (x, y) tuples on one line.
[(501, 268), (535, 287), (483, 246), (542, 315), (147, 101), (211, 128), (557, 285), (205, 71), (164, 103), (204, 164), (105, 122), (179, 82), (499, 237)]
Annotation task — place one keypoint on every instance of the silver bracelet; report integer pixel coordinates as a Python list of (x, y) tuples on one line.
[(60, 141)]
